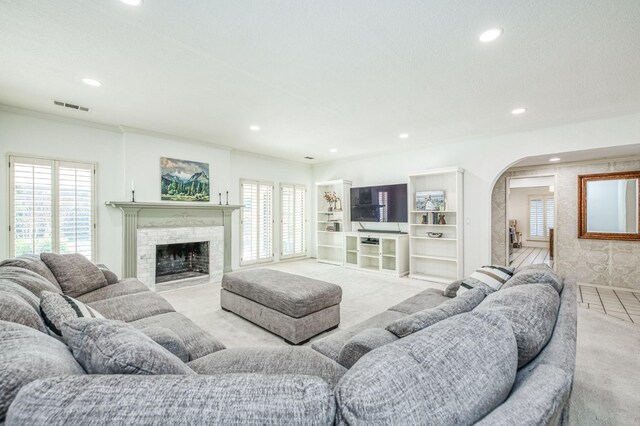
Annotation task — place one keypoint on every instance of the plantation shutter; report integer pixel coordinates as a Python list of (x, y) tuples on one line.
[(541, 216), (293, 200), (257, 222), (550, 214), (52, 207)]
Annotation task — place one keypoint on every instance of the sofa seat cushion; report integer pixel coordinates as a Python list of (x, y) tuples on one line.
[(169, 340), (56, 309), (289, 360), (535, 274), (331, 345), (454, 372), (532, 311), (104, 346), (410, 324), (230, 399), (28, 280), (132, 307), (33, 263), (121, 288), (197, 341), (292, 295), (13, 308), (426, 299), (74, 272), (27, 355), (363, 343)]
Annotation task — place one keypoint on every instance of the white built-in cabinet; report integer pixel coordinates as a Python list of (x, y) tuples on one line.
[(332, 220), (437, 259), (380, 252)]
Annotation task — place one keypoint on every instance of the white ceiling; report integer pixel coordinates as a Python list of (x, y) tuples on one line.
[(325, 74), (617, 152)]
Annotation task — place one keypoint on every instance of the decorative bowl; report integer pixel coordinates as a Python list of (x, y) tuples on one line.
[(434, 234)]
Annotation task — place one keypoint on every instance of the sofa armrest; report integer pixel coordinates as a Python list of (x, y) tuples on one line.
[(134, 399), (362, 343)]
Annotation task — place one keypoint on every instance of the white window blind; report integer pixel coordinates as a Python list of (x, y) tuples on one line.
[(541, 216), (256, 221), (293, 228), (52, 206)]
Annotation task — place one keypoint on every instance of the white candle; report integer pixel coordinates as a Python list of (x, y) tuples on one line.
[(132, 188)]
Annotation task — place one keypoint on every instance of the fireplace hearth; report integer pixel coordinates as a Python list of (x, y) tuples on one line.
[(182, 261)]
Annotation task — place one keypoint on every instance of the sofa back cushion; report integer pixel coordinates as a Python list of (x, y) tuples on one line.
[(27, 355), (535, 274), (532, 311), (74, 272), (104, 346), (13, 308), (56, 309), (410, 324), (33, 263), (454, 372), (28, 280)]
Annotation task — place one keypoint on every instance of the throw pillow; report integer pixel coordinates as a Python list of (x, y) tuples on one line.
[(110, 276), (56, 309), (410, 324), (490, 278), (104, 346), (74, 272), (534, 274)]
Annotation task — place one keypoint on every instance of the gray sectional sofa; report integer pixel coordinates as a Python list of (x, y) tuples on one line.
[(508, 359)]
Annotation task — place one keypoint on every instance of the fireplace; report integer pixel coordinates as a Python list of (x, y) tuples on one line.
[(182, 261)]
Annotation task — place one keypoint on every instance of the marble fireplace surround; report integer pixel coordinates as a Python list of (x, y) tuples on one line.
[(140, 215)]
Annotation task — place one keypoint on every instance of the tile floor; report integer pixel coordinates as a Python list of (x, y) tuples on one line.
[(621, 304)]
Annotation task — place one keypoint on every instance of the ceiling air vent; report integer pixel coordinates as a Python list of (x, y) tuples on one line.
[(309, 158), (72, 106)]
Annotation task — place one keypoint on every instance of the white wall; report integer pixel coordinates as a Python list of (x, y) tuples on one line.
[(519, 210), (484, 160)]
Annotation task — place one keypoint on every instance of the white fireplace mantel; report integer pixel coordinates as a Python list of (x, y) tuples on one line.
[(137, 215)]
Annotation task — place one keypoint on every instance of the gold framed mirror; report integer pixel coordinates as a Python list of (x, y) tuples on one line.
[(609, 206)]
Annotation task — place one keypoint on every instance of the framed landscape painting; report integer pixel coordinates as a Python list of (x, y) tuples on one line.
[(430, 200), (183, 180)]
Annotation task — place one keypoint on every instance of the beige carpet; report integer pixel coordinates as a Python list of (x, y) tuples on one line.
[(607, 380)]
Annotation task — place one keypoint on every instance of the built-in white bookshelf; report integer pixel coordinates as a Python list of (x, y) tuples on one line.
[(332, 220), (430, 258)]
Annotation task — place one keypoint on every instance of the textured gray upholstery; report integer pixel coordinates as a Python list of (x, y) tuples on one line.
[(56, 309), (291, 360), (295, 330), (13, 308), (429, 298), (27, 355), (104, 346), (110, 276), (415, 322), (230, 399), (362, 343), (197, 341), (29, 280), (293, 295), (532, 310), (454, 372), (452, 289), (169, 340), (331, 345), (132, 307), (539, 401), (121, 288), (33, 263), (17, 290), (75, 274), (533, 274)]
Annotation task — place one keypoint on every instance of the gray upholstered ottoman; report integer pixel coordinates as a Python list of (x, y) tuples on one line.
[(291, 306)]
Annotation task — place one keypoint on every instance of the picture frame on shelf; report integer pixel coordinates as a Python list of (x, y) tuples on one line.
[(430, 201)]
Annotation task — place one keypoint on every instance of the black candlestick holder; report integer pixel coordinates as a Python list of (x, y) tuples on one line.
[(227, 198), (133, 196), (219, 198)]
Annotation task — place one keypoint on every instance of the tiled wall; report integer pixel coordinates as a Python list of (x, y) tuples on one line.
[(610, 263)]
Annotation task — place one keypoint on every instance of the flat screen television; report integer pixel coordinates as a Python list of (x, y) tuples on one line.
[(383, 203)]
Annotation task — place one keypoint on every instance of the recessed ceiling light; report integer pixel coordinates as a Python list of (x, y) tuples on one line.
[(554, 159), (91, 82), (490, 35), (403, 135), (132, 2), (333, 150), (254, 128), (518, 111)]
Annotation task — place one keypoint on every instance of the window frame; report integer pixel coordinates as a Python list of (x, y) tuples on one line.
[(295, 187), (259, 260), (545, 228), (55, 164)]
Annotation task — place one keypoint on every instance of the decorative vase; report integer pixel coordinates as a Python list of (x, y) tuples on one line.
[(441, 220)]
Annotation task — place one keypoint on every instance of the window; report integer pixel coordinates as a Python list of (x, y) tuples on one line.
[(52, 206), (541, 216), (292, 202), (256, 223)]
